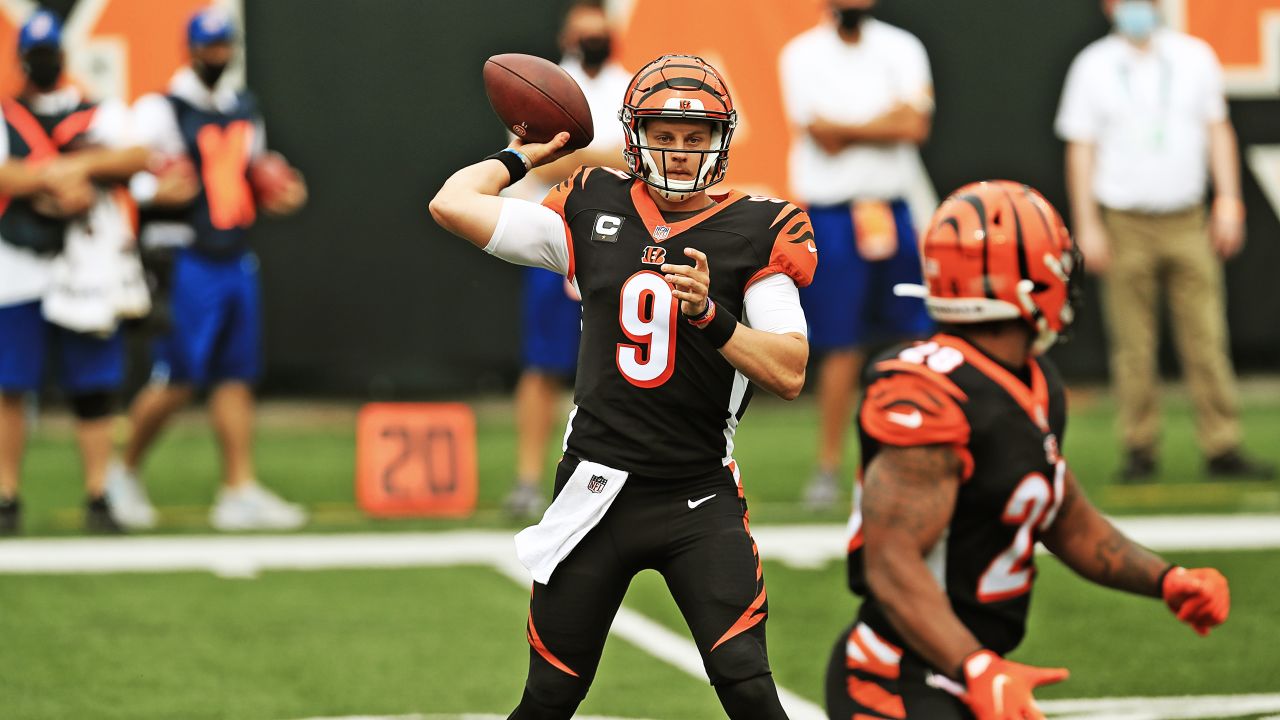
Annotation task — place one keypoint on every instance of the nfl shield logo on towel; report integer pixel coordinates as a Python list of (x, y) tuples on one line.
[(596, 483), (661, 232)]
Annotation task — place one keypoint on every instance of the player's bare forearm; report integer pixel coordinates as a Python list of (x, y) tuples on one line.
[(773, 361), (908, 496), (1090, 545), (468, 205)]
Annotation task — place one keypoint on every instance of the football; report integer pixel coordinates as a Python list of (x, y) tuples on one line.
[(269, 176), (535, 99)]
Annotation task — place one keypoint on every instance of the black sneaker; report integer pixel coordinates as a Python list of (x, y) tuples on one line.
[(10, 516), (1235, 465), (98, 520), (1139, 466)]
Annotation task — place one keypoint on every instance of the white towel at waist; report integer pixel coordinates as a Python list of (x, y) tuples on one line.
[(579, 507)]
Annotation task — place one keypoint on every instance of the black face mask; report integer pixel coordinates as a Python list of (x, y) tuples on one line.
[(595, 50), (43, 68), (851, 18), (209, 74)]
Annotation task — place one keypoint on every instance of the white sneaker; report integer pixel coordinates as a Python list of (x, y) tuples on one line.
[(822, 492), (128, 499), (525, 502), (253, 507)]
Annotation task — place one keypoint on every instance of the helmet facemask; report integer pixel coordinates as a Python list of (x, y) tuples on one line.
[(709, 171)]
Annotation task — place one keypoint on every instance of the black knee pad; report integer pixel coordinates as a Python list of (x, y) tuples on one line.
[(94, 405), (740, 658), (752, 699), (550, 693)]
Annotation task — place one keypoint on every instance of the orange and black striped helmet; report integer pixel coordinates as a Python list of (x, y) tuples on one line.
[(677, 87), (999, 251)]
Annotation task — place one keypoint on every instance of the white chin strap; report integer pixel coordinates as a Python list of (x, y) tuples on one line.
[(976, 310), (679, 190)]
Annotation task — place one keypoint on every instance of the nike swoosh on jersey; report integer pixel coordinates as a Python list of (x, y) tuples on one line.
[(812, 248), (911, 420), (695, 503)]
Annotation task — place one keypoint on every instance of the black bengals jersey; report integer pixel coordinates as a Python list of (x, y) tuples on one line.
[(1007, 432), (653, 397)]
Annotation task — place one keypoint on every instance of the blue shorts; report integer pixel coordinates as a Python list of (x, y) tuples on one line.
[(85, 363), (850, 302), (551, 324), (216, 331)]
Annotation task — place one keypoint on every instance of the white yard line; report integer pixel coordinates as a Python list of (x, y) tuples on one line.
[(796, 545), (1189, 707)]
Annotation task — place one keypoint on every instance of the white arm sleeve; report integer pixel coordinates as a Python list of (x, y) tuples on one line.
[(530, 234), (773, 305)]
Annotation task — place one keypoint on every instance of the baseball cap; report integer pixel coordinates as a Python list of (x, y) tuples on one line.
[(42, 30), (208, 26)]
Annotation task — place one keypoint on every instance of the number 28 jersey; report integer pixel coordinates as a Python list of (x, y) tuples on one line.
[(1007, 434), (652, 396)]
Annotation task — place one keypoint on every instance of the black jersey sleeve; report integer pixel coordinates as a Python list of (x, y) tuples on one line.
[(558, 199), (792, 251), (911, 405)]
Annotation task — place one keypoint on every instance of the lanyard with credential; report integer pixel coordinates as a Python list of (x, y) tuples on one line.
[(1165, 99)]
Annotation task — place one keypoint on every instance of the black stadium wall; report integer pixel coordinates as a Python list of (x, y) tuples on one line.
[(379, 100)]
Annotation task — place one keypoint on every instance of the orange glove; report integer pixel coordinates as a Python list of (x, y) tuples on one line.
[(999, 689), (1199, 597)]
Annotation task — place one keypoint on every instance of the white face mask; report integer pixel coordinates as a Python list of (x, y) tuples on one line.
[(1136, 19), (680, 190)]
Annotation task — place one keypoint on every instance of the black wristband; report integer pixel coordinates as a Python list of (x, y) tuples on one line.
[(514, 163), (718, 328)]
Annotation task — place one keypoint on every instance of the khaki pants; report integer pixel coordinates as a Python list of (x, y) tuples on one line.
[(1151, 252)]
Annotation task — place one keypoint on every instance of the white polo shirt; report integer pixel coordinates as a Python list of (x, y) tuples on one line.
[(1148, 115), (604, 94), (24, 275), (822, 75)]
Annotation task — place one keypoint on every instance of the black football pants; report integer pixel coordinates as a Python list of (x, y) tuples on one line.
[(869, 679), (694, 532)]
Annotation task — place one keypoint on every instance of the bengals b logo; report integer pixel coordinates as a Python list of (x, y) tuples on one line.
[(653, 255)]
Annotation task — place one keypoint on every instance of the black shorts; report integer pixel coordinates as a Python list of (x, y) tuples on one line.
[(868, 678), (694, 532)]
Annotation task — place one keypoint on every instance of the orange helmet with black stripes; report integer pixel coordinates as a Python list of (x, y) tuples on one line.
[(999, 251), (677, 87)]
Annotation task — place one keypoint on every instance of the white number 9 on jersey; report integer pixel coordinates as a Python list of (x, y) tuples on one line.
[(647, 312)]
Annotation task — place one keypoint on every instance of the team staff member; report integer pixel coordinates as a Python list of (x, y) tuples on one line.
[(1145, 121), (61, 158), (860, 96), (215, 340), (665, 371), (963, 473), (550, 312)]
